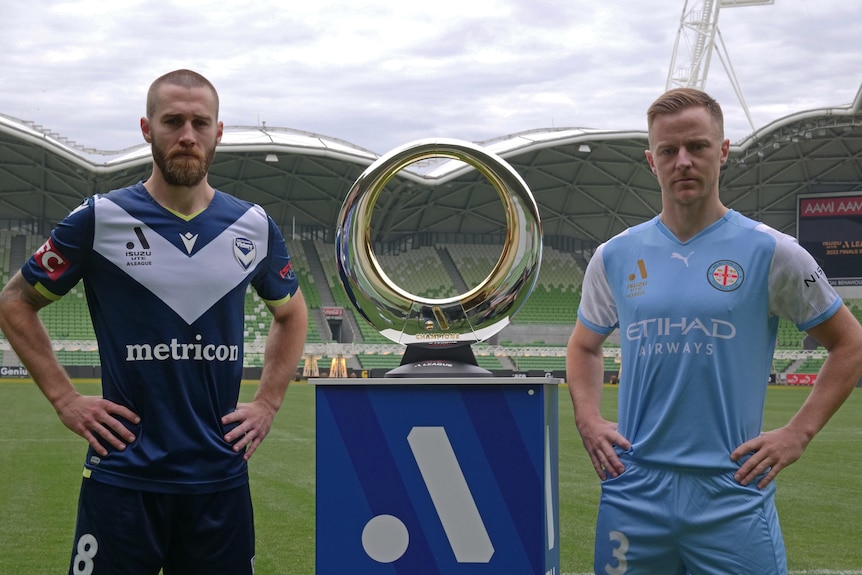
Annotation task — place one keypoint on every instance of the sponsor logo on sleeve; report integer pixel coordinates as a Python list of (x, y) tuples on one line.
[(287, 271), (52, 262)]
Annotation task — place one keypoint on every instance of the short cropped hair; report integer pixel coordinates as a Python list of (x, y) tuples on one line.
[(185, 78), (676, 100)]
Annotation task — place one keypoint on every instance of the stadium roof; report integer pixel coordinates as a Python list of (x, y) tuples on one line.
[(589, 184)]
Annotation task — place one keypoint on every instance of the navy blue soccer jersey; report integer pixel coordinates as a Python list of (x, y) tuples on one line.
[(166, 296), (698, 323)]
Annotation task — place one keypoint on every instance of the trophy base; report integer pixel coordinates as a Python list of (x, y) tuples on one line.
[(440, 361)]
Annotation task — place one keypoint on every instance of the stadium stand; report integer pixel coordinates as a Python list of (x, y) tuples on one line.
[(542, 363), (419, 271), (554, 301), (810, 365), (439, 232), (326, 253), (780, 365), (788, 336)]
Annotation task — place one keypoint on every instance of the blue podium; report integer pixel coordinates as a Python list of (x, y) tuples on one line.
[(449, 476)]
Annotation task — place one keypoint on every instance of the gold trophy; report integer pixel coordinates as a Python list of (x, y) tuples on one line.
[(439, 333)]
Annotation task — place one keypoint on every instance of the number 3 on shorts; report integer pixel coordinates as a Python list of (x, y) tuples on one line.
[(619, 554), (87, 548)]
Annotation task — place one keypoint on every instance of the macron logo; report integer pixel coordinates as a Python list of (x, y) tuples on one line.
[(189, 240)]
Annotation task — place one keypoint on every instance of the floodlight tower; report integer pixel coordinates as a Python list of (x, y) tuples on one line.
[(698, 28)]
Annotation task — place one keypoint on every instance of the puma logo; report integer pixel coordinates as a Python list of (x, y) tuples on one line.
[(678, 256)]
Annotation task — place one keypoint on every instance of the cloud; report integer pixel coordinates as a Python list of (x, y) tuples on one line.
[(379, 73)]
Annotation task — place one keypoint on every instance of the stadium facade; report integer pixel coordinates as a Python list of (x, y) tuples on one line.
[(589, 185)]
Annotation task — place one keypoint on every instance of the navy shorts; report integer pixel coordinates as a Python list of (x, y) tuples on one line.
[(138, 533), (672, 521)]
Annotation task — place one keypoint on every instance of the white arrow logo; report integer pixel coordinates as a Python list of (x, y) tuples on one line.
[(450, 494), (385, 538)]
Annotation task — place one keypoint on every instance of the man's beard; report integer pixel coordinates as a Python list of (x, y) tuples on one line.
[(180, 169)]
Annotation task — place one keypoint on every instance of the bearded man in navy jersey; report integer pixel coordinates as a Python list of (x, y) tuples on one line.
[(165, 264)]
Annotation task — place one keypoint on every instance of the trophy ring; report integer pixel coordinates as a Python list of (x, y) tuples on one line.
[(473, 316)]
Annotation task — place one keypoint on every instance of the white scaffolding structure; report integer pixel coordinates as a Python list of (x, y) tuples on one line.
[(696, 40)]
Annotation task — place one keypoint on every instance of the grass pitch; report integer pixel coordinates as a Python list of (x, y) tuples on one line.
[(819, 497)]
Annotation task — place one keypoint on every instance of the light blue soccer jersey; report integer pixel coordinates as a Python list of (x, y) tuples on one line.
[(166, 295), (698, 323)]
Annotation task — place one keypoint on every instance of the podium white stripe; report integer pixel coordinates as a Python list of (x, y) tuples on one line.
[(549, 493), (450, 494)]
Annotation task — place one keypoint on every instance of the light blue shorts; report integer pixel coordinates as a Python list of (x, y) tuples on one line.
[(676, 522)]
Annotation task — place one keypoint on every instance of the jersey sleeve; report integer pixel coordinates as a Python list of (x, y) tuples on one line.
[(798, 287), (598, 309), (57, 266), (276, 281)]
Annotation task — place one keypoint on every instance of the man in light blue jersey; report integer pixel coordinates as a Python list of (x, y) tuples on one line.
[(696, 294), (166, 264)]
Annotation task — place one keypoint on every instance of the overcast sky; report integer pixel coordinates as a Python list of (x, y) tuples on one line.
[(381, 73)]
